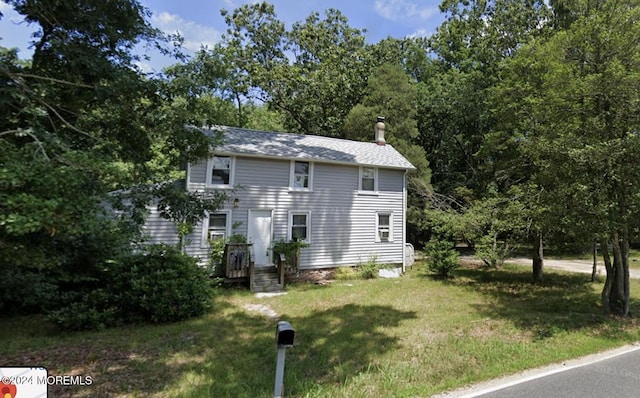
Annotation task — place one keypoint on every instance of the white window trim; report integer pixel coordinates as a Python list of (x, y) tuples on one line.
[(290, 224), (232, 172), (375, 180), (204, 241), (377, 235), (292, 171)]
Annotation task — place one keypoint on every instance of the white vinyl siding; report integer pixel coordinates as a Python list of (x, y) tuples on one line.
[(341, 220)]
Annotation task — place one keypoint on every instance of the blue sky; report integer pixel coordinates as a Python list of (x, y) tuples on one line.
[(199, 21)]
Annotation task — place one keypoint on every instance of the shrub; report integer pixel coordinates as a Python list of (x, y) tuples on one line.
[(345, 273), (443, 258), (369, 269), (216, 257), (82, 315), (160, 284)]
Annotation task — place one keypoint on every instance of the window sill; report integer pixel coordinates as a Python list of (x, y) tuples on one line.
[(219, 186), (369, 193), (300, 190)]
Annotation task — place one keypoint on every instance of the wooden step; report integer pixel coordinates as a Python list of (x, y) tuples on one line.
[(265, 279)]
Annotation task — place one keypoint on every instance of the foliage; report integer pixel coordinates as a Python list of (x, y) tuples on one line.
[(345, 273), (574, 100), (443, 258), (325, 78), (77, 122), (289, 249), (493, 224), (216, 257), (157, 285), (454, 110), (368, 269), (185, 208)]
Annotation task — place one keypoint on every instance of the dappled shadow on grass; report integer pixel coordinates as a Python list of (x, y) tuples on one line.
[(338, 343), (221, 354), (562, 302), (229, 353)]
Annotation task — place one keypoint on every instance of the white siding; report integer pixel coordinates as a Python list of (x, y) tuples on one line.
[(343, 221), (158, 229)]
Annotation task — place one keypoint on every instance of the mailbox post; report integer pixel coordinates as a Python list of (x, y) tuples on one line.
[(285, 336)]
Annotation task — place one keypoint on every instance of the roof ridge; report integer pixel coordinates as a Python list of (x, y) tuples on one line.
[(290, 133)]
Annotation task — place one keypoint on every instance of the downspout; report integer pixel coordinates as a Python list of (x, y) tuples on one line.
[(404, 221)]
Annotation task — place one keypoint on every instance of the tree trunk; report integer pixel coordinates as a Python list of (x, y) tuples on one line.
[(617, 282), (608, 283), (625, 272), (594, 270), (538, 257)]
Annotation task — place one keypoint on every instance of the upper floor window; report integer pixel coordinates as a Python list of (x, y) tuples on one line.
[(301, 175), (368, 179), (220, 171)]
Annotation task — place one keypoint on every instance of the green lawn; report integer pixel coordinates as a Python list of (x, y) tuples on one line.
[(408, 337)]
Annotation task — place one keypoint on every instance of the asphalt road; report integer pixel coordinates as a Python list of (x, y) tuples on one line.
[(611, 374)]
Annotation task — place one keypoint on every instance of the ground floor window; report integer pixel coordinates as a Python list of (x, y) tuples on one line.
[(384, 227), (299, 223), (216, 227)]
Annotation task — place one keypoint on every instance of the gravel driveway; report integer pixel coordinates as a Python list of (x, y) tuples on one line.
[(584, 266)]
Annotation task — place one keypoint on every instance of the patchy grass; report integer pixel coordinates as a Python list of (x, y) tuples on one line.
[(413, 336)]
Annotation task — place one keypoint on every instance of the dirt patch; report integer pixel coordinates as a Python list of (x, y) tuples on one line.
[(262, 309), (320, 276)]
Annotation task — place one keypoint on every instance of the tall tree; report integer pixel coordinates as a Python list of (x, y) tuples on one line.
[(454, 108), (391, 93), (314, 73), (76, 122), (577, 96)]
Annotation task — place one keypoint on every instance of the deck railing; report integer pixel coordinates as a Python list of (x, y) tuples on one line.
[(237, 259)]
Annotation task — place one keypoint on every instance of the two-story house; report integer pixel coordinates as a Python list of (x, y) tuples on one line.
[(346, 199)]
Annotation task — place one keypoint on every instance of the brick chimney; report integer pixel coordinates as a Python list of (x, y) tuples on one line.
[(379, 130)]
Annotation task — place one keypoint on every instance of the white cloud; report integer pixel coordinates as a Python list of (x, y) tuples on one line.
[(194, 34), (396, 10), (419, 33), (145, 67)]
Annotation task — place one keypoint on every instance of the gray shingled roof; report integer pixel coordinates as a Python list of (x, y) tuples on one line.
[(311, 147)]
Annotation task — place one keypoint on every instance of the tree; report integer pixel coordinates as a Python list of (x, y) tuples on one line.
[(454, 108), (77, 122), (576, 94), (184, 208), (390, 93), (322, 81)]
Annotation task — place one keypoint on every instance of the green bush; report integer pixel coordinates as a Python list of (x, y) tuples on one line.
[(345, 273), (369, 269), (82, 315), (216, 257), (443, 258), (160, 284)]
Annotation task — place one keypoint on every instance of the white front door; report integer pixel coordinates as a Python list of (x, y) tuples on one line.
[(260, 235)]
